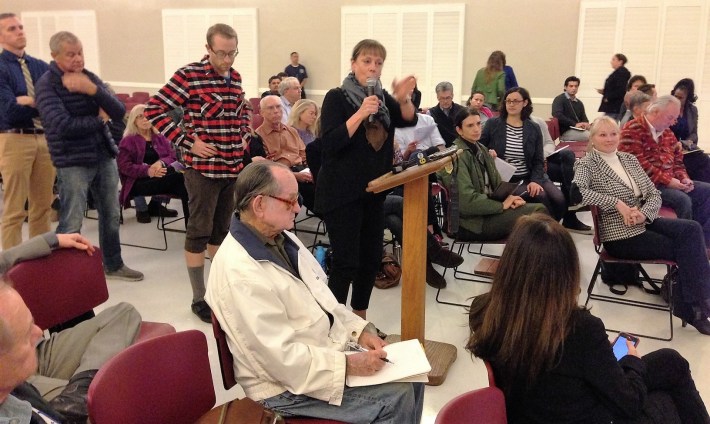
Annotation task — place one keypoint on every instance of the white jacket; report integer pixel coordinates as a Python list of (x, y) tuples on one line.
[(278, 332)]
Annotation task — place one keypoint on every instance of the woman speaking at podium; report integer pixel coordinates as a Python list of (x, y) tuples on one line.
[(358, 121)]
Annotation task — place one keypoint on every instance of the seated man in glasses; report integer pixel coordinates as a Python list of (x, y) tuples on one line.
[(281, 143), (286, 330)]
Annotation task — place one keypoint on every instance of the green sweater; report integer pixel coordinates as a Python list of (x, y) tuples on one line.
[(493, 90)]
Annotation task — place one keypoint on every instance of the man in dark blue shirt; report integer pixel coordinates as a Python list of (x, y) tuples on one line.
[(296, 70), (25, 164)]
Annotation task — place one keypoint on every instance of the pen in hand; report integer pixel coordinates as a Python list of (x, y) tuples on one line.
[(358, 348)]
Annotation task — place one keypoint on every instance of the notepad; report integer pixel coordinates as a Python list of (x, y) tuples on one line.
[(410, 364), (505, 169)]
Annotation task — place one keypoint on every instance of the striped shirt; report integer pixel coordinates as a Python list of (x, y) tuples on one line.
[(215, 110), (514, 153)]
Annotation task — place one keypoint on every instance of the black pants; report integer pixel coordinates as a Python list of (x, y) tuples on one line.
[(672, 396), (355, 233), (680, 240), (172, 183)]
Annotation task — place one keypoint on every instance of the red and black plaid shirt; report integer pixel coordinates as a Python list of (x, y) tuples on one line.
[(216, 113)]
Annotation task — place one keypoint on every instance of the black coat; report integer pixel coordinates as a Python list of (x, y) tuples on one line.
[(494, 137), (588, 385), (615, 90)]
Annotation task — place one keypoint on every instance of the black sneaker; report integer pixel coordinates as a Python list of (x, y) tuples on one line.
[(143, 217), (574, 225), (157, 209), (202, 310)]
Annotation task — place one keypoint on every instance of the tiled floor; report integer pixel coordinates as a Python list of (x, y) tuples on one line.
[(165, 295)]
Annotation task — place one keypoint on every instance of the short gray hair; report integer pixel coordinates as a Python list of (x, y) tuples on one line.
[(662, 103), (262, 102), (55, 43), (444, 86), (256, 179), (287, 83), (637, 98)]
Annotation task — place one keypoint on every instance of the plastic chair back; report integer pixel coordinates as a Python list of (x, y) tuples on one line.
[(166, 379)]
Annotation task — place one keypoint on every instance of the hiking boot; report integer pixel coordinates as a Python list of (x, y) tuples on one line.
[(124, 273), (446, 258)]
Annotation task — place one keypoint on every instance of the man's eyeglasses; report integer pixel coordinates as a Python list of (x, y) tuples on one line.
[(222, 54), (290, 203), (513, 102)]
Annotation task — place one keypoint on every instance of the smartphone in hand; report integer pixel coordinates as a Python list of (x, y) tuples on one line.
[(619, 346)]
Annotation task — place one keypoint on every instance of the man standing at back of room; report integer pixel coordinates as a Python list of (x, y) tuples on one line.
[(444, 112), (25, 165), (216, 125), (296, 70), (77, 110)]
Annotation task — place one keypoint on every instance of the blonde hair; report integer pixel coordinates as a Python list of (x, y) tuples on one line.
[(298, 108), (601, 121), (131, 128)]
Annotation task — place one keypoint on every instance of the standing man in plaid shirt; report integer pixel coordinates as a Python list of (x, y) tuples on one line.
[(213, 136)]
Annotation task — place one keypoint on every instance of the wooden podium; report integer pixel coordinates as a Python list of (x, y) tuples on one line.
[(416, 183)]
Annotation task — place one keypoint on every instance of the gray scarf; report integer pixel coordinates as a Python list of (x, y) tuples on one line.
[(355, 94)]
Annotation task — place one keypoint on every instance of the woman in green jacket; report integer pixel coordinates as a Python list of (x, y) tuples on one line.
[(475, 175), (491, 81)]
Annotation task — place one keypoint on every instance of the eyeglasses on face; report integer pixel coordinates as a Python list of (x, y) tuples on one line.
[(222, 54), (513, 102), (291, 203)]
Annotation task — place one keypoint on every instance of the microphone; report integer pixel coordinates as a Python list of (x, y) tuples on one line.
[(371, 83)]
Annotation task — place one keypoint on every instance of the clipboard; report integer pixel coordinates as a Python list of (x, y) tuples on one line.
[(503, 190)]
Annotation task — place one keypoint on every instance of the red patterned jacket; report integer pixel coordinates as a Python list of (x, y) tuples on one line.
[(662, 160), (215, 112)]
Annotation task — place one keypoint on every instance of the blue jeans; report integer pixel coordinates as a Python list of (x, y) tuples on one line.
[(74, 185), (694, 205), (396, 403)]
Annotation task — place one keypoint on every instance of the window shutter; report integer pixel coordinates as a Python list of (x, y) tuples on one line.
[(40, 26), (426, 41), (184, 40)]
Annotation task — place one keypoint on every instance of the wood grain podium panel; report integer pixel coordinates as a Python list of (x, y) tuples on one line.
[(416, 182)]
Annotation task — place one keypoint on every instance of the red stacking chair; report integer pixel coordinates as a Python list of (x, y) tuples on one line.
[(166, 379), (67, 284), (229, 380)]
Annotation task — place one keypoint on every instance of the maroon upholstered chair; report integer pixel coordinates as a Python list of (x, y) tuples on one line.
[(229, 380), (66, 284), (140, 96), (166, 379), (255, 103), (484, 406)]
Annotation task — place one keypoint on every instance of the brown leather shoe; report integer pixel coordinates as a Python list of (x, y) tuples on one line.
[(446, 258), (433, 278)]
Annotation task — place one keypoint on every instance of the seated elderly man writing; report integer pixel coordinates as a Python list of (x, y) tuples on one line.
[(61, 367), (285, 328)]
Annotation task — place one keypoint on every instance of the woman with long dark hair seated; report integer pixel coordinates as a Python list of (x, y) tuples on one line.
[(629, 225), (552, 358), (515, 138)]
